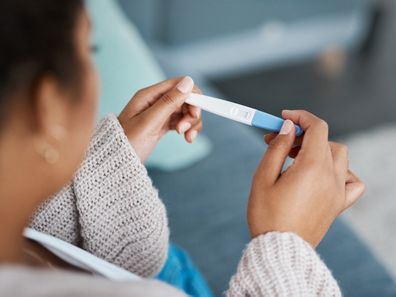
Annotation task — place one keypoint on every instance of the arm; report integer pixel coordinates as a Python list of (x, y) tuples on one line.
[(289, 212), (281, 264), (121, 217), (58, 216), (111, 209)]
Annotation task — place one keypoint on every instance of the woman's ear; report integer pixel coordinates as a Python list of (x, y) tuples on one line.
[(51, 109), (51, 114)]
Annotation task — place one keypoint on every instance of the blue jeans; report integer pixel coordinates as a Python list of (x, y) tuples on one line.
[(179, 271)]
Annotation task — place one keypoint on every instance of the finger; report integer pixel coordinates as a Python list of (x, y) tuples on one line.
[(159, 89), (269, 137), (170, 102), (185, 123), (198, 126), (183, 126), (294, 152), (354, 189), (272, 163), (197, 90), (316, 131), (146, 97), (296, 146), (192, 134), (340, 159), (351, 177), (298, 141), (194, 111)]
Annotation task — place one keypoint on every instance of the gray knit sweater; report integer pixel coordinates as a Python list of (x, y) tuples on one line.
[(112, 210)]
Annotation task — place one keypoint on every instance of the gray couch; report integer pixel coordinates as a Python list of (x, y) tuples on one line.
[(207, 209)]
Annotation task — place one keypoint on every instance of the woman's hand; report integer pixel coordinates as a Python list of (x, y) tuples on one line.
[(155, 110), (312, 192)]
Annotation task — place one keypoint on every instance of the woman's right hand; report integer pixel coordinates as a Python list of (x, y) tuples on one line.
[(307, 197)]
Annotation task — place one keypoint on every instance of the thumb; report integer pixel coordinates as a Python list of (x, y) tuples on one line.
[(272, 163), (170, 102), (354, 189)]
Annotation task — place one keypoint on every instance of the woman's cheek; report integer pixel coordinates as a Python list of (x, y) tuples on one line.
[(92, 91), (90, 98), (85, 115)]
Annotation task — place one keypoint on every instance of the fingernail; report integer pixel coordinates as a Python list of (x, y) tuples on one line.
[(286, 127), (184, 127), (193, 135), (186, 85)]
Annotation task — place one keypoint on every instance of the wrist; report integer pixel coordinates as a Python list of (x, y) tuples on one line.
[(140, 138)]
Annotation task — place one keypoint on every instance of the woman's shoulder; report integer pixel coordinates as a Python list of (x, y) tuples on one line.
[(24, 281)]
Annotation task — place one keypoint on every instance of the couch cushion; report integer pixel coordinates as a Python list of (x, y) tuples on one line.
[(126, 65)]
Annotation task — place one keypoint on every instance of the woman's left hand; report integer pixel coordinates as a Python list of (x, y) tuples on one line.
[(157, 109)]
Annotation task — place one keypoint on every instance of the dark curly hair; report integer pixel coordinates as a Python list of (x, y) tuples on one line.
[(36, 38)]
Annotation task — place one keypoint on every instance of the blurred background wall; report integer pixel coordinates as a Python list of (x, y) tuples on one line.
[(321, 50)]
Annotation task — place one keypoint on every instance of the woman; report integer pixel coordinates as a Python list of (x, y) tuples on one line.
[(105, 201)]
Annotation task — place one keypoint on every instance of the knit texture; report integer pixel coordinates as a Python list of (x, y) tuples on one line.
[(274, 264), (27, 282), (58, 216), (281, 264), (111, 209)]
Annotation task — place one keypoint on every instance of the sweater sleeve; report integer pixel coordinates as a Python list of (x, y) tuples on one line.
[(33, 282), (111, 208), (58, 216), (281, 264)]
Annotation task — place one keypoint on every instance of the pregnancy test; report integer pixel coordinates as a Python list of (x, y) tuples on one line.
[(239, 113)]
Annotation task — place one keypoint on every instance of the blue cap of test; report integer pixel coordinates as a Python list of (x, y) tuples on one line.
[(270, 122)]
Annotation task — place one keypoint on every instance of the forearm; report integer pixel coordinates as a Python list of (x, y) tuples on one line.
[(111, 208), (121, 217), (282, 264)]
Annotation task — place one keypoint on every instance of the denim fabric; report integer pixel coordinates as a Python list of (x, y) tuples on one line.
[(179, 271)]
